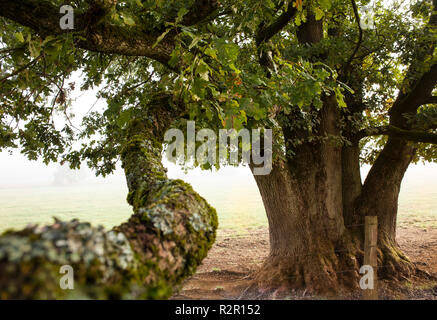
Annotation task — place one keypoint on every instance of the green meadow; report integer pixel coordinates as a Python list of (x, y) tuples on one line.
[(235, 196)]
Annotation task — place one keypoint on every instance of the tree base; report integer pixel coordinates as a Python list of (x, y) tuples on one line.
[(325, 273), (393, 263), (332, 273)]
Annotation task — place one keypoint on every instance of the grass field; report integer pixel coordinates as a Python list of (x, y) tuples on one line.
[(234, 195)]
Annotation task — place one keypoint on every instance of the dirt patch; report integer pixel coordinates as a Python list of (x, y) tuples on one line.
[(420, 244), (226, 272)]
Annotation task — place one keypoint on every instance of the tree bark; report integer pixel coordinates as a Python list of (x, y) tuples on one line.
[(315, 201), (163, 242), (98, 32), (303, 201), (316, 204), (379, 197), (351, 181)]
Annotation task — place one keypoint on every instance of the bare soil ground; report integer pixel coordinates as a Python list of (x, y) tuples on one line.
[(226, 272)]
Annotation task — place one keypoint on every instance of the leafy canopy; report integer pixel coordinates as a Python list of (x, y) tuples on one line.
[(230, 68)]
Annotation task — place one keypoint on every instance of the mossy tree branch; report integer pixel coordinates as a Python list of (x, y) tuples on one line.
[(97, 32), (163, 242)]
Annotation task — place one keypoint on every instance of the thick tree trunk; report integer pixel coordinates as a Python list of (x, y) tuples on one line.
[(308, 243), (379, 197), (351, 181), (316, 204), (303, 201), (164, 241)]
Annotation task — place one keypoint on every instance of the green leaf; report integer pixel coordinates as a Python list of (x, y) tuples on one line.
[(181, 13), (340, 98), (197, 89), (208, 112), (297, 20), (227, 52), (19, 37), (194, 42), (128, 21), (34, 49), (162, 36), (203, 70), (211, 52), (124, 117), (325, 4), (319, 13)]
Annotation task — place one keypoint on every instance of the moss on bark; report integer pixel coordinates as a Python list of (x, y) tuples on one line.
[(163, 242)]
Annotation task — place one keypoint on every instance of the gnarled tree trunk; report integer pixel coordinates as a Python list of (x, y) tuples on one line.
[(303, 201), (315, 201), (163, 242), (379, 197), (316, 204)]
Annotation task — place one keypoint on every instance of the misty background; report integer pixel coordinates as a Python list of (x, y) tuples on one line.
[(32, 192)]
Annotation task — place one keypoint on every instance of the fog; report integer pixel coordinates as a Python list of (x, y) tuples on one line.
[(32, 192)]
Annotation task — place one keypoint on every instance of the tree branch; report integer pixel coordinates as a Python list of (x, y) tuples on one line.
[(266, 33), (43, 17), (360, 36), (98, 33), (200, 10), (409, 135), (162, 243), (8, 50), (21, 69), (422, 87), (431, 100), (410, 102)]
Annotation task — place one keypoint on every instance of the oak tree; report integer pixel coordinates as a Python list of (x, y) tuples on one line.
[(338, 88)]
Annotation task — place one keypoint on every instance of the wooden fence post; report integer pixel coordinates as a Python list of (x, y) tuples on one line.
[(371, 254)]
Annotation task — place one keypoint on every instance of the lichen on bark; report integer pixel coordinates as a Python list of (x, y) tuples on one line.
[(166, 238)]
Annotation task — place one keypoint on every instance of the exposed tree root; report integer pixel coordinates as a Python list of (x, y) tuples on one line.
[(324, 273), (394, 264), (329, 273)]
